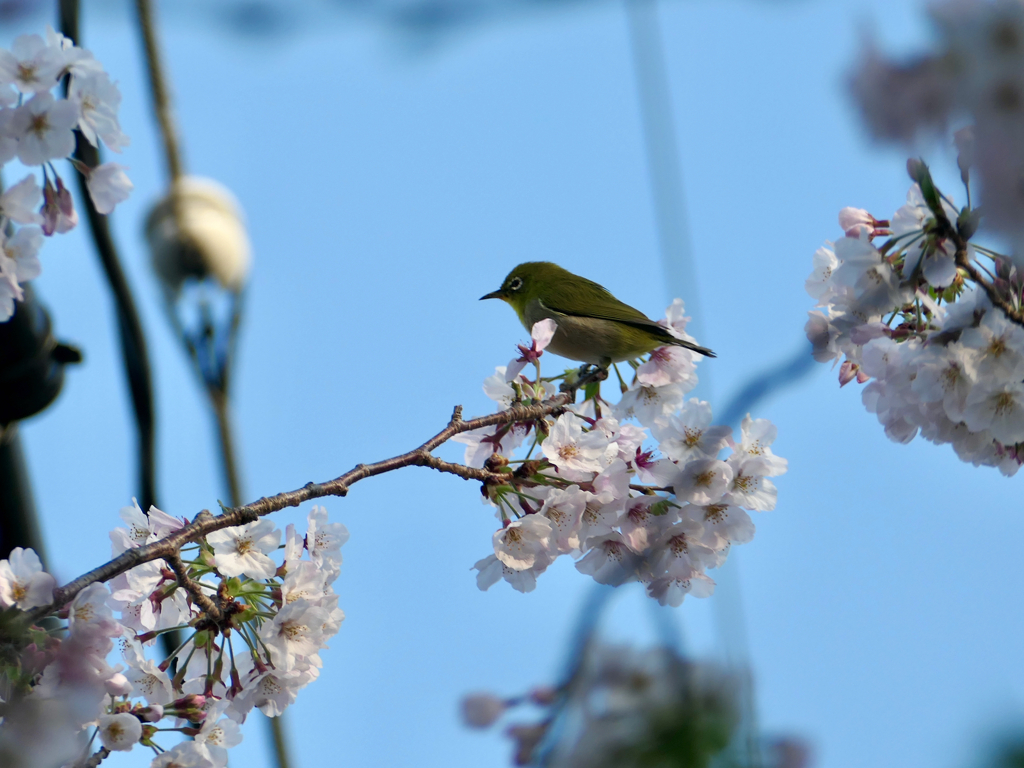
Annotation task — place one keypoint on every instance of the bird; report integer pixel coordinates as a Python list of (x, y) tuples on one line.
[(593, 326)]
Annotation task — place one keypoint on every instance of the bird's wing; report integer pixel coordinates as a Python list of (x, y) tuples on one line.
[(615, 311)]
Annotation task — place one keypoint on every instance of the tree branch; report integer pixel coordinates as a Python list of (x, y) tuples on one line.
[(198, 596), (993, 294), (205, 523)]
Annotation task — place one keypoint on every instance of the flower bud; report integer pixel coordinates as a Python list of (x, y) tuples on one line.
[(197, 230), (481, 710), (117, 685)]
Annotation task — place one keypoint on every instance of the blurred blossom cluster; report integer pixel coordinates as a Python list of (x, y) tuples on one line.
[(257, 650), (907, 304), (594, 485), (621, 707), (975, 74), (37, 128)]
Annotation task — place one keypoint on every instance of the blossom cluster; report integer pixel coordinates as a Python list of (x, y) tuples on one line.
[(253, 631), (634, 490), (37, 128), (621, 707), (973, 74), (899, 305)]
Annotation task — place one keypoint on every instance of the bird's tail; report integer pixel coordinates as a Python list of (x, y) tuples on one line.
[(695, 347)]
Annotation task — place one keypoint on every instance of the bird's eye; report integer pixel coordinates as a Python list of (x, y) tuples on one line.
[(515, 283)]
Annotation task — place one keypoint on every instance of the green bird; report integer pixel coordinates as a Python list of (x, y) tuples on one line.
[(593, 326)]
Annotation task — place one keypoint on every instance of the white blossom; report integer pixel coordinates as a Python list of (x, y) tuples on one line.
[(44, 128), (23, 582), (244, 549), (108, 185), (120, 732)]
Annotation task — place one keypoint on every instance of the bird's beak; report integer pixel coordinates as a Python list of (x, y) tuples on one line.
[(493, 295)]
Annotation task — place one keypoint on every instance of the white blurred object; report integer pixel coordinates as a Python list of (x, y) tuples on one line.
[(206, 237)]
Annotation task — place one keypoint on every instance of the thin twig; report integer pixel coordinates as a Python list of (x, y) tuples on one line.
[(205, 523), (198, 596), (993, 294)]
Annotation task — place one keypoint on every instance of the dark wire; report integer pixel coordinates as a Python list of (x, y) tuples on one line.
[(133, 341)]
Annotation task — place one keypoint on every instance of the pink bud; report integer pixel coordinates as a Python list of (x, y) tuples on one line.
[(117, 685), (543, 696), (480, 710), (847, 373)]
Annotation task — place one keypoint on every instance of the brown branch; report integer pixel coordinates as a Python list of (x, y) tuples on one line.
[(193, 588), (993, 294), (205, 523), (964, 263)]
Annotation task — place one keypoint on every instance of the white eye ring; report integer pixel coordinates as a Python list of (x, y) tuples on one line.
[(515, 284)]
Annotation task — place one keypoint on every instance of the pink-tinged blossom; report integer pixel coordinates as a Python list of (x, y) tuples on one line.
[(18, 254), (599, 517), (946, 375), (143, 528), (305, 581), (722, 524), (490, 569), (564, 510), (649, 405), (485, 442), (8, 134), (703, 481), (652, 471), (121, 732), (31, 65), (540, 335), (671, 591), (862, 268), (569, 448), (44, 128), (89, 613), (668, 365), (998, 344), (98, 100), (218, 735), (751, 489), (296, 631), (294, 545), (819, 284), (271, 691), (19, 202), (23, 583), (756, 438), (640, 526), (999, 410), (108, 185), (528, 543), (324, 540), (188, 754), (149, 681), (853, 221), (689, 434), (679, 553), (244, 549), (627, 437), (609, 560)]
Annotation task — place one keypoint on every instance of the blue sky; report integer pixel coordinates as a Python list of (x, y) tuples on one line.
[(387, 187)]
